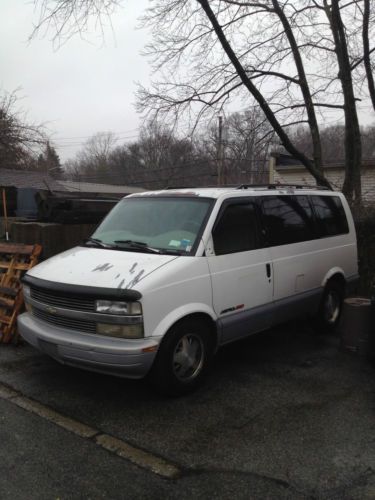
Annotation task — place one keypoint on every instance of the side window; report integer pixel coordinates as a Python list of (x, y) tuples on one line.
[(330, 215), (287, 219), (236, 230)]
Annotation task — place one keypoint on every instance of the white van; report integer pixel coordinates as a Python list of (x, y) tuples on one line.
[(169, 276)]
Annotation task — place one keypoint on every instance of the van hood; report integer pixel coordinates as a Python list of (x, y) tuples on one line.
[(99, 267)]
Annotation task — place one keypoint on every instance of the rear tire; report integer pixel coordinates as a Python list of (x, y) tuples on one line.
[(331, 306), (183, 358)]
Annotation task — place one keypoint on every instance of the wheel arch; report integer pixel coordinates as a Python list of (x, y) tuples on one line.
[(335, 274), (166, 325)]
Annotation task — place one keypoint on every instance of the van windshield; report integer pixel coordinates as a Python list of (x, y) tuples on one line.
[(154, 224)]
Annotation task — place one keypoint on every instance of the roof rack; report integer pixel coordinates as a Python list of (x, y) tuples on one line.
[(277, 186), (207, 186), (252, 186)]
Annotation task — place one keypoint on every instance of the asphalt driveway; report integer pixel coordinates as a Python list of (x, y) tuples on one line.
[(284, 414)]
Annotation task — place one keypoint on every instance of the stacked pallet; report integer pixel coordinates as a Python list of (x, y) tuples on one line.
[(15, 261)]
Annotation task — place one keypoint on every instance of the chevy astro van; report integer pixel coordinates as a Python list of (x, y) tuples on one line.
[(169, 276)]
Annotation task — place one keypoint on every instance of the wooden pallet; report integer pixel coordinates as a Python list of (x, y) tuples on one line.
[(15, 260)]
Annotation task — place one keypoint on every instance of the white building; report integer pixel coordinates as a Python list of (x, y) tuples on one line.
[(284, 169)]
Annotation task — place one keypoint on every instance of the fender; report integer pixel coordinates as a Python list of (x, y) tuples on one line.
[(181, 312), (332, 272)]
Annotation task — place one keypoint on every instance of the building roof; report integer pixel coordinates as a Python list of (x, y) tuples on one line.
[(41, 180), (91, 187), (285, 159), (28, 179), (287, 162)]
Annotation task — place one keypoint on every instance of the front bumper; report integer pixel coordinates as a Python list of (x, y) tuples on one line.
[(120, 357)]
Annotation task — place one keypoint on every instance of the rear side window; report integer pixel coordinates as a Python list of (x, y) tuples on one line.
[(236, 230), (287, 219), (330, 215)]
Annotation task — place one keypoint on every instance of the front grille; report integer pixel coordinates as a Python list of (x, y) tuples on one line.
[(59, 299), (64, 322)]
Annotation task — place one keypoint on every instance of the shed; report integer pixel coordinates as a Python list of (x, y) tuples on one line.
[(20, 187), (21, 179)]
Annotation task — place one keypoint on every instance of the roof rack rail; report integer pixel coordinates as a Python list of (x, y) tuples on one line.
[(210, 186), (277, 186)]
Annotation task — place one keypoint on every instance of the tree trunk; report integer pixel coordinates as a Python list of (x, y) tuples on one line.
[(353, 149), (366, 51)]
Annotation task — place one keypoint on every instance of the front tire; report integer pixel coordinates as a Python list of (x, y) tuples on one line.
[(183, 358)]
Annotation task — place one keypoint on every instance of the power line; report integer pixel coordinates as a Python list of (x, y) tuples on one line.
[(89, 136), (76, 144)]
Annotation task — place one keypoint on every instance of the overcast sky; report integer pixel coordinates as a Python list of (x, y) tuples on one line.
[(81, 88), (84, 87)]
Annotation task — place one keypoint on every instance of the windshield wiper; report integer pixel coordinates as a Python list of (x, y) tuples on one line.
[(166, 251), (96, 242), (137, 245)]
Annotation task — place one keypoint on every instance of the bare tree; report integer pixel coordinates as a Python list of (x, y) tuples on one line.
[(159, 158), (156, 160), (293, 59), (248, 143), (94, 157), (247, 139), (19, 140), (178, 20), (72, 169), (49, 161), (232, 49), (333, 142), (67, 18), (342, 43), (368, 142)]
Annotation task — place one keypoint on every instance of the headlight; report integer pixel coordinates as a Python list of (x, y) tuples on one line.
[(120, 308), (123, 331)]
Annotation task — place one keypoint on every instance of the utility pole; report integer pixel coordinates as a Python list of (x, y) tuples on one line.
[(220, 151)]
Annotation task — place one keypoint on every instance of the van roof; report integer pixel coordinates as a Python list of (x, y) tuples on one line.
[(219, 191)]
